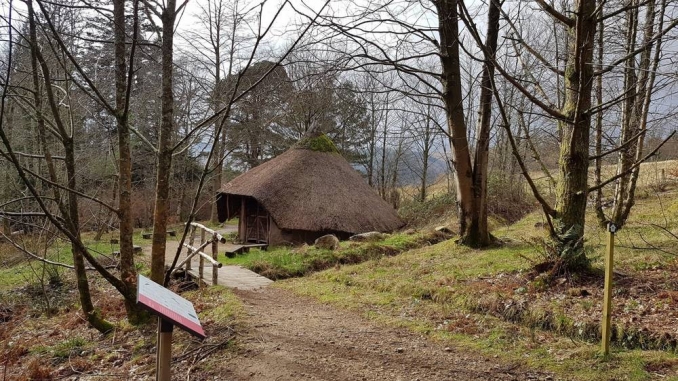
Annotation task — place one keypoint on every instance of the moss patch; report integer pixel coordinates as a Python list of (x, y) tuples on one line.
[(319, 143)]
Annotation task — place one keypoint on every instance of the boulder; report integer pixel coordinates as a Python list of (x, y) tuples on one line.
[(444, 229), (327, 242), (369, 236)]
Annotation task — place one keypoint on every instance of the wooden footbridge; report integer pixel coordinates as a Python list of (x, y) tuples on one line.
[(206, 267)]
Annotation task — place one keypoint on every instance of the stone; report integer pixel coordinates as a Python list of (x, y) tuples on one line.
[(444, 229), (368, 237), (327, 242)]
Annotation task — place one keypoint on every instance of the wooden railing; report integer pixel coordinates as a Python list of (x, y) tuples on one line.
[(214, 239)]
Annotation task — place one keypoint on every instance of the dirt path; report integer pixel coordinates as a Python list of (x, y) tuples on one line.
[(294, 338)]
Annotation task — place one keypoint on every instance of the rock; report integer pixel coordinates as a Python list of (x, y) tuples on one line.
[(399, 350), (327, 242), (575, 292), (448, 349), (444, 229), (369, 236), (410, 231)]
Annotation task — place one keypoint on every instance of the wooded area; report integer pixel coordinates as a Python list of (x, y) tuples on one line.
[(120, 114)]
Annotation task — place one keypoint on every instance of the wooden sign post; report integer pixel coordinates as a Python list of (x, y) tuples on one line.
[(171, 310), (607, 294)]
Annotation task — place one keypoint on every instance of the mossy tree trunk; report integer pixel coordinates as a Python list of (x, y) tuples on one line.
[(572, 190), (479, 233)]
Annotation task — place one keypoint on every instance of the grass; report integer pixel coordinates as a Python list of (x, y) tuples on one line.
[(21, 270), (285, 262), (430, 289)]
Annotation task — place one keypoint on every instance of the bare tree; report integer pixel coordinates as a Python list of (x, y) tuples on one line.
[(573, 118), (217, 52), (68, 220)]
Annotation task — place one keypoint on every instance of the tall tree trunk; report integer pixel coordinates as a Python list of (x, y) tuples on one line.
[(644, 88), (600, 214), (629, 123), (215, 31), (128, 272), (571, 194), (71, 213), (426, 151), (478, 234), (164, 162), (448, 19), (382, 174), (371, 142)]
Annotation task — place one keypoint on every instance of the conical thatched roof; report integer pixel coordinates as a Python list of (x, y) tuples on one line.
[(312, 188)]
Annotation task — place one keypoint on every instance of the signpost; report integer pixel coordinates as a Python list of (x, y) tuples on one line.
[(171, 310), (607, 294)]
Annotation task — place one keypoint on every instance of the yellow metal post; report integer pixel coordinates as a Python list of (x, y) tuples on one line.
[(607, 294)]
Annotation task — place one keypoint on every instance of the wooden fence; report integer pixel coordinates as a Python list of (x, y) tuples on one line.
[(213, 241)]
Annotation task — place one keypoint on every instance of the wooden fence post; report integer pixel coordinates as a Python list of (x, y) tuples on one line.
[(191, 242), (202, 260), (215, 252)]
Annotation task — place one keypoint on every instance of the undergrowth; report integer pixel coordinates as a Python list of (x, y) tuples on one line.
[(285, 262), (419, 213), (485, 299)]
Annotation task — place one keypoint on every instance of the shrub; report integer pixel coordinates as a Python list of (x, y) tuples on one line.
[(418, 213), (507, 197)]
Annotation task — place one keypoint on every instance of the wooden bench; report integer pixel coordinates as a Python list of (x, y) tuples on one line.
[(171, 233), (232, 248), (135, 249)]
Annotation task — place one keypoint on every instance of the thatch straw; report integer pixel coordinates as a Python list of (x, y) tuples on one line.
[(303, 189)]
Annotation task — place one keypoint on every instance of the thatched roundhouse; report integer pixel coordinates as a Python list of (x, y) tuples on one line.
[(306, 192)]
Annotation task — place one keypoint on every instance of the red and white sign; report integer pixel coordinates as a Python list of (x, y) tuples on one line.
[(168, 305)]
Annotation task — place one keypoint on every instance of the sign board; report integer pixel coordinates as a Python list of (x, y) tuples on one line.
[(611, 227), (168, 305)]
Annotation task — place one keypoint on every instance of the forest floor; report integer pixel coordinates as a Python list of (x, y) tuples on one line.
[(266, 334), (438, 312)]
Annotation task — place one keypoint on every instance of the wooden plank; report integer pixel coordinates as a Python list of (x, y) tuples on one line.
[(192, 251), (210, 231), (205, 255)]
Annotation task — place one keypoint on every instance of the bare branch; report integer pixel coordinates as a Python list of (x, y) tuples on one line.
[(634, 166)]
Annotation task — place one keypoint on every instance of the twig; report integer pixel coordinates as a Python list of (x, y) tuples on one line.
[(212, 347)]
